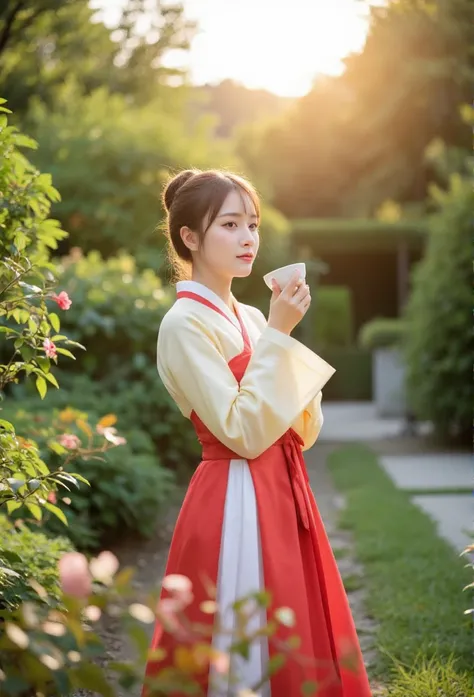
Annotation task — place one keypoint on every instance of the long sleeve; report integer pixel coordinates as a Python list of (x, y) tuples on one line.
[(308, 424), (282, 378)]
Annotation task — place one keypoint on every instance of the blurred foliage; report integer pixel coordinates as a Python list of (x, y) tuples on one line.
[(382, 332), (334, 319), (43, 43), (358, 140), (352, 380), (110, 160), (25, 555), (439, 343)]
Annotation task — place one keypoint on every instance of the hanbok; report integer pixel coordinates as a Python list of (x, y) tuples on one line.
[(249, 520)]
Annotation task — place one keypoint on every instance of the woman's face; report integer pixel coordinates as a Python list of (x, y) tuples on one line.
[(231, 243)]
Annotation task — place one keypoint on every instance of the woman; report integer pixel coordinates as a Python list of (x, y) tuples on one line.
[(253, 393)]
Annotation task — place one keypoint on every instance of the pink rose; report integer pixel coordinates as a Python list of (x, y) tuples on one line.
[(49, 348), (104, 567), (69, 441), (63, 300), (74, 575)]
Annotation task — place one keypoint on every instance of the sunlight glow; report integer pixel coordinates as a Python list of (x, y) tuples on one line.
[(279, 45)]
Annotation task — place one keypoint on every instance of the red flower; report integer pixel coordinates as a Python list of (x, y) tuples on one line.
[(63, 300), (49, 348)]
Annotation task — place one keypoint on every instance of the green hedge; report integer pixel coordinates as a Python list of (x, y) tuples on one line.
[(353, 377), (382, 332), (333, 317), (440, 346)]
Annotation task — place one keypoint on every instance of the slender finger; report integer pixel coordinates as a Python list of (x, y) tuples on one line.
[(291, 285), (301, 293)]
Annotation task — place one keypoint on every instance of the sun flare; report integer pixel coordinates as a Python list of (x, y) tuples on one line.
[(280, 46), (277, 45)]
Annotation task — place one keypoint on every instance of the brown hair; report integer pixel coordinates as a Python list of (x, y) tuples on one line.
[(193, 198)]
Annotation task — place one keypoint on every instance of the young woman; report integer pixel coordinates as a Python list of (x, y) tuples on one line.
[(253, 393)]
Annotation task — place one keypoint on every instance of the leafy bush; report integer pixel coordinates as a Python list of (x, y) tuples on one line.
[(382, 332), (334, 318), (116, 314), (128, 487), (431, 678), (439, 345), (353, 377), (26, 555)]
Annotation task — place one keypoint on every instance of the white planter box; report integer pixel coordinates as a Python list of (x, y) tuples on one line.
[(388, 375)]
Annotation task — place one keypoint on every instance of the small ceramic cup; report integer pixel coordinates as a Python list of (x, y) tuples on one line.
[(284, 273)]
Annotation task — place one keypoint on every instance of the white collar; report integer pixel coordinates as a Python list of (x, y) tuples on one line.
[(208, 294)]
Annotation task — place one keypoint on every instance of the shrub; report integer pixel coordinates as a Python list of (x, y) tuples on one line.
[(382, 332), (29, 555), (334, 318), (353, 377), (128, 487), (439, 345)]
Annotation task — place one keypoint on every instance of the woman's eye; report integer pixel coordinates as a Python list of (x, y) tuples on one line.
[(254, 227), (231, 222)]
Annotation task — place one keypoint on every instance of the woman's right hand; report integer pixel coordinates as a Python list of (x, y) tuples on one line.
[(289, 305)]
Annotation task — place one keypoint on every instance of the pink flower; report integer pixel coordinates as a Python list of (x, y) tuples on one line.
[(69, 441), (104, 567), (74, 575), (110, 434), (52, 497), (63, 300), (49, 348)]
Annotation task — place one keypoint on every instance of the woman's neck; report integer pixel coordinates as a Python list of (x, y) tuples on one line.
[(221, 287)]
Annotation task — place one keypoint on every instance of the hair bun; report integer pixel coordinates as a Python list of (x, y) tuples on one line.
[(174, 184)]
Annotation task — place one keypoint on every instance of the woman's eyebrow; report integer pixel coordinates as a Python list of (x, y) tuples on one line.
[(235, 215)]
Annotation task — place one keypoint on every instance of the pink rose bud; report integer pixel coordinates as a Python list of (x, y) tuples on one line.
[(49, 348), (63, 300), (74, 575), (52, 497)]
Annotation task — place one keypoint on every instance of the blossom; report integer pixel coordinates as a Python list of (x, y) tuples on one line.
[(104, 567), (220, 661), (52, 497), (74, 575), (49, 348), (69, 441), (180, 588), (110, 434), (63, 300)]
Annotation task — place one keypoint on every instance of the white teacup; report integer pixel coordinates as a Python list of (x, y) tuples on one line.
[(284, 273)]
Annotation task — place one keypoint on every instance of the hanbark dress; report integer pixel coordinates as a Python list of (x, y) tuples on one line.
[(249, 520)]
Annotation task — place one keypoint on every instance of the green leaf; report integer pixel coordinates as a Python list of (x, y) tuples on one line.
[(65, 352), (309, 688), (13, 505), (55, 323), (56, 511), (7, 426), (10, 556), (44, 363), (275, 663), (32, 326), (91, 677), (35, 510), (41, 386), (50, 377)]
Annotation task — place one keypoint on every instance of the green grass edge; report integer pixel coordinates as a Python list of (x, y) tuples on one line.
[(414, 579)]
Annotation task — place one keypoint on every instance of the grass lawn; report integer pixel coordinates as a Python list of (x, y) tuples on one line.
[(413, 578)]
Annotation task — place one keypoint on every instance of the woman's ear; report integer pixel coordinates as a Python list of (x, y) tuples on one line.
[(190, 238)]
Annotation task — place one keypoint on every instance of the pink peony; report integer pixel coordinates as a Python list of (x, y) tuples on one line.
[(69, 441), (49, 348), (74, 575), (63, 300)]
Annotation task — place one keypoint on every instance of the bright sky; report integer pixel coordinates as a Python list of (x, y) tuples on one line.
[(280, 45)]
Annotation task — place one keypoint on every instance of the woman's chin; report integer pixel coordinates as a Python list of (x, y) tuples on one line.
[(244, 272)]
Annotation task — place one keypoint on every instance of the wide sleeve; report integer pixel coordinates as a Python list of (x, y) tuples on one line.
[(308, 424), (282, 378)]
